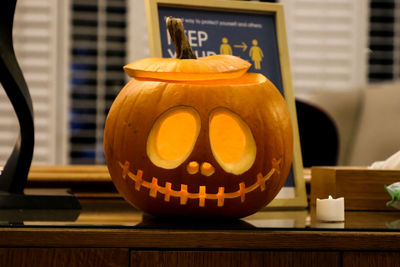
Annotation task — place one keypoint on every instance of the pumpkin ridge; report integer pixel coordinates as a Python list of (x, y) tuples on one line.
[(131, 108), (114, 122)]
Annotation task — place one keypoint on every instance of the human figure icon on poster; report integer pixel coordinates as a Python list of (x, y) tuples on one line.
[(256, 54), (225, 48)]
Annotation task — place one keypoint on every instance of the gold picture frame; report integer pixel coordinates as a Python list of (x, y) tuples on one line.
[(272, 15)]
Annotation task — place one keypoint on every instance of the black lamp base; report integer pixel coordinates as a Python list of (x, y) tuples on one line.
[(39, 199), (39, 205)]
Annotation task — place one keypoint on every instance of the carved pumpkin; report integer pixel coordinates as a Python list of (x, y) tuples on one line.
[(198, 137)]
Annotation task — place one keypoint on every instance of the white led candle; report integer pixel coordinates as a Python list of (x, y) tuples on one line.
[(330, 210)]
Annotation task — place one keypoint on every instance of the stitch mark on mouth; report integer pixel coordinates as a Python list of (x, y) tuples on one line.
[(184, 195)]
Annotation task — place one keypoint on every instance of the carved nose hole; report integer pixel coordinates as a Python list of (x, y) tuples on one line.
[(192, 167), (207, 169)]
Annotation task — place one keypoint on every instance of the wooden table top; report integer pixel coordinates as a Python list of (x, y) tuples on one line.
[(111, 222)]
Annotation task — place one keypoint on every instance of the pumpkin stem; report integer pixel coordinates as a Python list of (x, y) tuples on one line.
[(179, 38)]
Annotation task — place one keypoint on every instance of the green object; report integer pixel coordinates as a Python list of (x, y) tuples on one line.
[(394, 192)]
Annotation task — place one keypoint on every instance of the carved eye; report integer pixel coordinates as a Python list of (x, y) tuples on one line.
[(232, 142), (173, 136)]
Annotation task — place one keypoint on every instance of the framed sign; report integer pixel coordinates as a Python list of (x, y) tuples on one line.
[(253, 31)]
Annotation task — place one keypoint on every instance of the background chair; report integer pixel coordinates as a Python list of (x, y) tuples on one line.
[(318, 135)]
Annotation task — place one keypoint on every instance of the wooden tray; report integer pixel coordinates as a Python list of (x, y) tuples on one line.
[(362, 188)]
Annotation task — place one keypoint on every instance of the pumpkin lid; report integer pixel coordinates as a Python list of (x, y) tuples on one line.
[(203, 68)]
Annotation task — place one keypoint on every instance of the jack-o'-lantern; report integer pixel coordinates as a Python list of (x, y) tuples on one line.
[(197, 137)]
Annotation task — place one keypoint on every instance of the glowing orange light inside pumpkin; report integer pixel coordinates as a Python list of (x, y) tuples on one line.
[(176, 135), (207, 169), (227, 137), (232, 142), (192, 167), (173, 136)]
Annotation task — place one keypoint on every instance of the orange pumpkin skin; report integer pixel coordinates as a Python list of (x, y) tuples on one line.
[(175, 192)]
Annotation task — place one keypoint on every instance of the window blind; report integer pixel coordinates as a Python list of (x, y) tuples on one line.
[(97, 57), (36, 35), (327, 43), (384, 40)]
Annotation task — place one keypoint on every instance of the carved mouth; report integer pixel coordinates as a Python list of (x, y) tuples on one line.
[(184, 195)]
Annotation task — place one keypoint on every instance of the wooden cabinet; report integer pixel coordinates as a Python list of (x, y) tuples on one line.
[(124, 257), (80, 246), (371, 259), (233, 258), (60, 257)]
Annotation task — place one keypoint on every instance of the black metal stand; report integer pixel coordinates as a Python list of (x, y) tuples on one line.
[(14, 176)]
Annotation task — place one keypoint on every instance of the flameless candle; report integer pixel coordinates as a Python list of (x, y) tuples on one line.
[(330, 210)]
